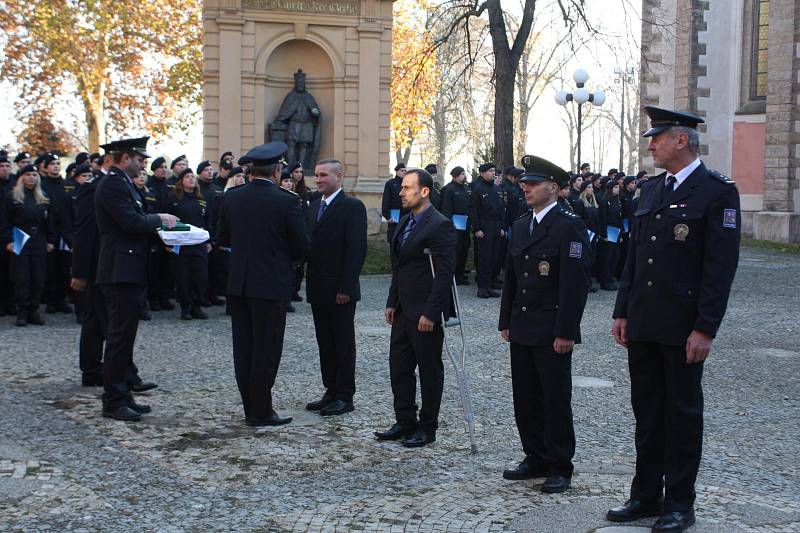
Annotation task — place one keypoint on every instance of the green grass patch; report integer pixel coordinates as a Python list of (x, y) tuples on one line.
[(790, 248), (378, 260)]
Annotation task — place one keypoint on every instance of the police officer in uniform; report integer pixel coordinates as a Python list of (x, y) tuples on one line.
[(682, 258), (124, 230), (486, 212), (212, 193), (455, 201), (545, 289), (160, 286), (263, 226), (391, 199)]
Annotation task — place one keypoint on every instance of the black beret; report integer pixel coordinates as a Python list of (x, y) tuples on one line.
[(81, 158), (235, 171), (49, 158), (4, 159), (3, 154), (509, 170), (83, 169), (641, 174), (399, 166), (185, 171), (96, 158), (610, 184), (517, 172), (225, 154), (663, 119), (294, 166), (585, 165), (629, 179), (612, 172), (227, 165), (157, 162), (486, 167), (27, 168), (285, 174), (457, 171), (585, 184), (21, 156), (202, 166), (177, 160), (267, 154), (431, 169), (70, 168)]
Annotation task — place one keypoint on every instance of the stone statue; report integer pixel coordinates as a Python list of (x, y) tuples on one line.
[(297, 124)]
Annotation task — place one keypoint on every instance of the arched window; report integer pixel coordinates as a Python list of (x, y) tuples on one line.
[(758, 70)]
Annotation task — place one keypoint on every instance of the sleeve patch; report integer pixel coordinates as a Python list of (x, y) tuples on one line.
[(576, 249), (729, 218)]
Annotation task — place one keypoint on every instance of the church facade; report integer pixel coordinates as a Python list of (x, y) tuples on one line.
[(736, 63)]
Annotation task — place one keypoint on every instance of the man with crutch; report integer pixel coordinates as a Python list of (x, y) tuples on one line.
[(544, 293), (414, 309)]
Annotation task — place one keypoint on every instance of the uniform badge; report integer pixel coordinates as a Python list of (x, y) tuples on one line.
[(576, 249), (681, 231), (729, 218), (544, 268)]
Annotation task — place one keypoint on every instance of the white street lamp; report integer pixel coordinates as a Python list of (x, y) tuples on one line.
[(580, 97)]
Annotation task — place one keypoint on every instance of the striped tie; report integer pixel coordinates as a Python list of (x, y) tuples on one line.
[(407, 230)]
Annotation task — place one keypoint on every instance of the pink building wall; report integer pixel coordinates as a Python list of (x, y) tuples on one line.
[(749, 152)]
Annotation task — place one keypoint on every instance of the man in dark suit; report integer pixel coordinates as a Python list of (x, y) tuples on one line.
[(414, 308), (545, 289), (125, 230), (263, 226), (338, 227), (682, 257)]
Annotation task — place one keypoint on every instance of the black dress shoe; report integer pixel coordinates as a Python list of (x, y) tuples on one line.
[(123, 412), (337, 407), (50, 309), (555, 483), (143, 386), (197, 312), (493, 293), (186, 314), (675, 521), (297, 298), (34, 317), (63, 307), (139, 407), (166, 305), (484, 293), (634, 509), (205, 303), (497, 285), (155, 306), (92, 380), (525, 470), (144, 314), (319, 404), (462, 281), (22, 318), (290, 308), (419, 438), (272, 420), (216, 300), (396, 432)]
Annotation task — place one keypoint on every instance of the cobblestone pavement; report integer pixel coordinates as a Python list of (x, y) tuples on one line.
[(193, 466)]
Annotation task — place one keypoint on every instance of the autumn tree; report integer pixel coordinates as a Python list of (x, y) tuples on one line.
[(131, 65), (40, 135), (415, 77)]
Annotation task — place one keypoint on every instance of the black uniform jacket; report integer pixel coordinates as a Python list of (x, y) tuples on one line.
[(264, 227), (546, 279), (413, 289), (682, 258), (485, 206), (36, 220), (191, 210), (391, 198), (124, 228), (455, 199), (86, 243), (338, 249)]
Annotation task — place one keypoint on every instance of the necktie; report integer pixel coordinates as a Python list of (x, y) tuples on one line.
[(670, 182), (323, 205), (534, 223), (407, 230)]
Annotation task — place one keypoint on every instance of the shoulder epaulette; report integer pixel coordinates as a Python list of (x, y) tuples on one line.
[(523, 215), (288, 191), (722, 177), (568, 214), (202, 202)]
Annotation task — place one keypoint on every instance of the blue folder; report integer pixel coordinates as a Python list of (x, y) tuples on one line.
[(176, 249), (63, 246), (590, 234), (460, 222), (613, 234), (394, 215), (20, 238), (626, 224)]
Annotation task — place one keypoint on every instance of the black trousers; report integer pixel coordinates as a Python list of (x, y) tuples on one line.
[(6, 285), (123, 303), (192, 274), (609, 251), (29, 278), (336, 338), (486, 254), (258, 326), (93, 330), (500, 259), (216, 273), (299, 272), (667, 399), (161, 278), (59, 265), (542, 384), (408, 349), (462, 252)]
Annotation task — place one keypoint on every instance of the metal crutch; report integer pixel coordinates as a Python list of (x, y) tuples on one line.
[(461, 371)]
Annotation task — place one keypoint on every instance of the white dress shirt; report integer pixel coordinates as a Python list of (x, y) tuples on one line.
[(682, 174), (541, 214)]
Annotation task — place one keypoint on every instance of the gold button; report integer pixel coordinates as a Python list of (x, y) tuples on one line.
[(524, 308), (525, 274), (653, 238), (526, 258), (690, 292), (658, 217), (524, 291), (650, 261), (556, 307), (649, 283)]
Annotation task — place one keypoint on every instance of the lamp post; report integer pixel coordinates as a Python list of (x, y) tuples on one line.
[(580, 97), (623, 76)]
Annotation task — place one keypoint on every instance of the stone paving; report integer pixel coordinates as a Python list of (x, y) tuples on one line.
[(192, 465)]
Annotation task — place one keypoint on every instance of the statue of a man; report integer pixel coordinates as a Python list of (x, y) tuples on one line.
[(299, 115)]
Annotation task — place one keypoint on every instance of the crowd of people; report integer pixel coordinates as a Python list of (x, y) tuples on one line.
[(484, 211)]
